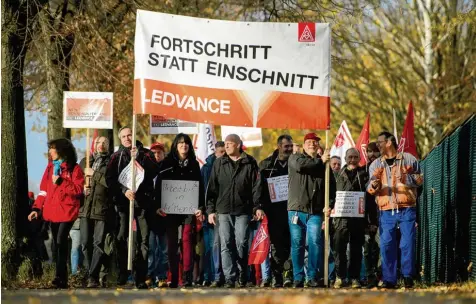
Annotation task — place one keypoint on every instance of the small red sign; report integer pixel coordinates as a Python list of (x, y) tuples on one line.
[(306, 32)]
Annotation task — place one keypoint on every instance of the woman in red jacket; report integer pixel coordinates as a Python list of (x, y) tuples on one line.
[(58, 201)]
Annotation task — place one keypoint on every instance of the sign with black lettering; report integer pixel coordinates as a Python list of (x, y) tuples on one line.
[(179, 196), (349, 204)]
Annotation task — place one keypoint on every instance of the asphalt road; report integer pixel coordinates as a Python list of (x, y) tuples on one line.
[(226, 296)]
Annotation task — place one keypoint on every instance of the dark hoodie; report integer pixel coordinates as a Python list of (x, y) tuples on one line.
[(271, 167), (144, 194), (207, 168), (234, 187)]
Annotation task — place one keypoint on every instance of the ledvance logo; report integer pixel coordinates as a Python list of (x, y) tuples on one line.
[(306, 32)]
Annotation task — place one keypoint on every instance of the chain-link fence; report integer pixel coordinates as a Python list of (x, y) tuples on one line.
[(446, 242)]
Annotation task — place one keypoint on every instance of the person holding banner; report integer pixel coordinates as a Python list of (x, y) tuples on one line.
[(95, 214), (350, 218), (233, 196), (305, 209), (118, 180), (394, 179), (58, 201), (274, 174), (181, 198)]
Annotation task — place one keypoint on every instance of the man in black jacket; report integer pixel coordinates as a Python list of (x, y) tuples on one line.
[(233, 195), (306, 202), (276, 207), (351, 230), (143, 199), (95, 213)]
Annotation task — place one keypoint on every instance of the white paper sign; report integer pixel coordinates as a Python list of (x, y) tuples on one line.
[(278, 188), (125, 178), (179, 196), (349, 204)]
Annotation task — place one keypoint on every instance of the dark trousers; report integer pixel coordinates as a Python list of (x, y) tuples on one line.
[(142, 245), (280, 243), (60, 233), (348, 231), (172, 224), (372, 255), (93, 236)]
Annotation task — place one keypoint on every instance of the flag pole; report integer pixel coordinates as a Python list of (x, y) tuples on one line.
[(88, 148), (326, 219), (395, 125), (131, 202)]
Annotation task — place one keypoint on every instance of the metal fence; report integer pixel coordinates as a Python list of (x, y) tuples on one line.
[(446, 241)]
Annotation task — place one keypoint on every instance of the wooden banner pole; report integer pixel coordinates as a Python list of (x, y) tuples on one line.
[(88, 152), (131, 202), (326, 219)]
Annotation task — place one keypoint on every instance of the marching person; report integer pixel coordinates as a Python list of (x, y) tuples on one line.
[(96, 214), (306, 202), (351, 230), (371, 246), (213, 272), (58, 201), (180, 165), (143, 203), (271, 167), (394, 179), (233, 196), (158, 262)]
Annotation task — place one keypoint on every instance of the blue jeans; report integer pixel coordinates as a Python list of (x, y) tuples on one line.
[(266, 265), (234, 237), (405, 219), (158, 262), (208, 261), (307, 229), (75, 249)]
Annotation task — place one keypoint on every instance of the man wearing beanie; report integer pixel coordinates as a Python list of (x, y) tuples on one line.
[(306, 202)]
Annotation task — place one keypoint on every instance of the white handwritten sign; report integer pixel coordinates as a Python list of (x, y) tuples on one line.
[(125, 178), (179, 196), (278, 188), (349, 204)]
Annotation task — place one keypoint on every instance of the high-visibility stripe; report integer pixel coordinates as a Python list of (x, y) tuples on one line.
[(42, 193)]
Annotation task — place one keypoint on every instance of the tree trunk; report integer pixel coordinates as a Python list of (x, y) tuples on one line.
[(15, 204)]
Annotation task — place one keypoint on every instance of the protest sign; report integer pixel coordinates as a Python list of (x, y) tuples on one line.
[(84, 110), (349, 204), (253, 74), (162, 125), (278, 188), (179, 196), (251, 137), (125, 178)]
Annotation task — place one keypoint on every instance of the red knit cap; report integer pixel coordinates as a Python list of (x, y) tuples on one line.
[(312, 136), (157, 145)]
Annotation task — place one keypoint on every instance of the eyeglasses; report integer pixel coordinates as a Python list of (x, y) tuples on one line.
[(381, 141)]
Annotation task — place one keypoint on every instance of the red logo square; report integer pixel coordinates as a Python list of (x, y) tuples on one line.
[(306, 32)]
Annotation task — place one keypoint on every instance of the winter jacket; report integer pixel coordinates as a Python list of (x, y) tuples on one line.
[(144, 198), (343, 183), (171, 169), (234, 188), (97, 205), (270, 167), (207, 169), (399, 183), (60, 202), (307, 184)]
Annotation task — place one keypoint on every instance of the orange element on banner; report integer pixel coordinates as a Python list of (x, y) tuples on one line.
[(190, 103), (295, 111)]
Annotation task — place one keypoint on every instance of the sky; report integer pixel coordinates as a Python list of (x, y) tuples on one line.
[(36, 148)]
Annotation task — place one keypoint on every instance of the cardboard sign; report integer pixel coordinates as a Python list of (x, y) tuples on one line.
[(91, 110), (179, 196), (250, 74), (278, 188), (349, 204), (162, 125), (125, 178)]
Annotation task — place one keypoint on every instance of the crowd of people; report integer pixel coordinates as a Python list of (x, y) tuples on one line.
[(211, 246)]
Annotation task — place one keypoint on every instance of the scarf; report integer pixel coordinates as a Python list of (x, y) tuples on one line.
[(183, 163), (57, 167), (98, 160)]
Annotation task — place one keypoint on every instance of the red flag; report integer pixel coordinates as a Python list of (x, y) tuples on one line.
[(407, 140), (261, 243), (93, 143), (363, 141)]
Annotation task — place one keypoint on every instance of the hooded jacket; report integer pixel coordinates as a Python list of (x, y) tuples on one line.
[(270, 167), (119, 160), (60, 202), (207, 168), (307, 184), (234, 188)]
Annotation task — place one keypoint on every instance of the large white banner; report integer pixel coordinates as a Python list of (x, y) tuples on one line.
[(253, 74), (162, 125), (251, 137)]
